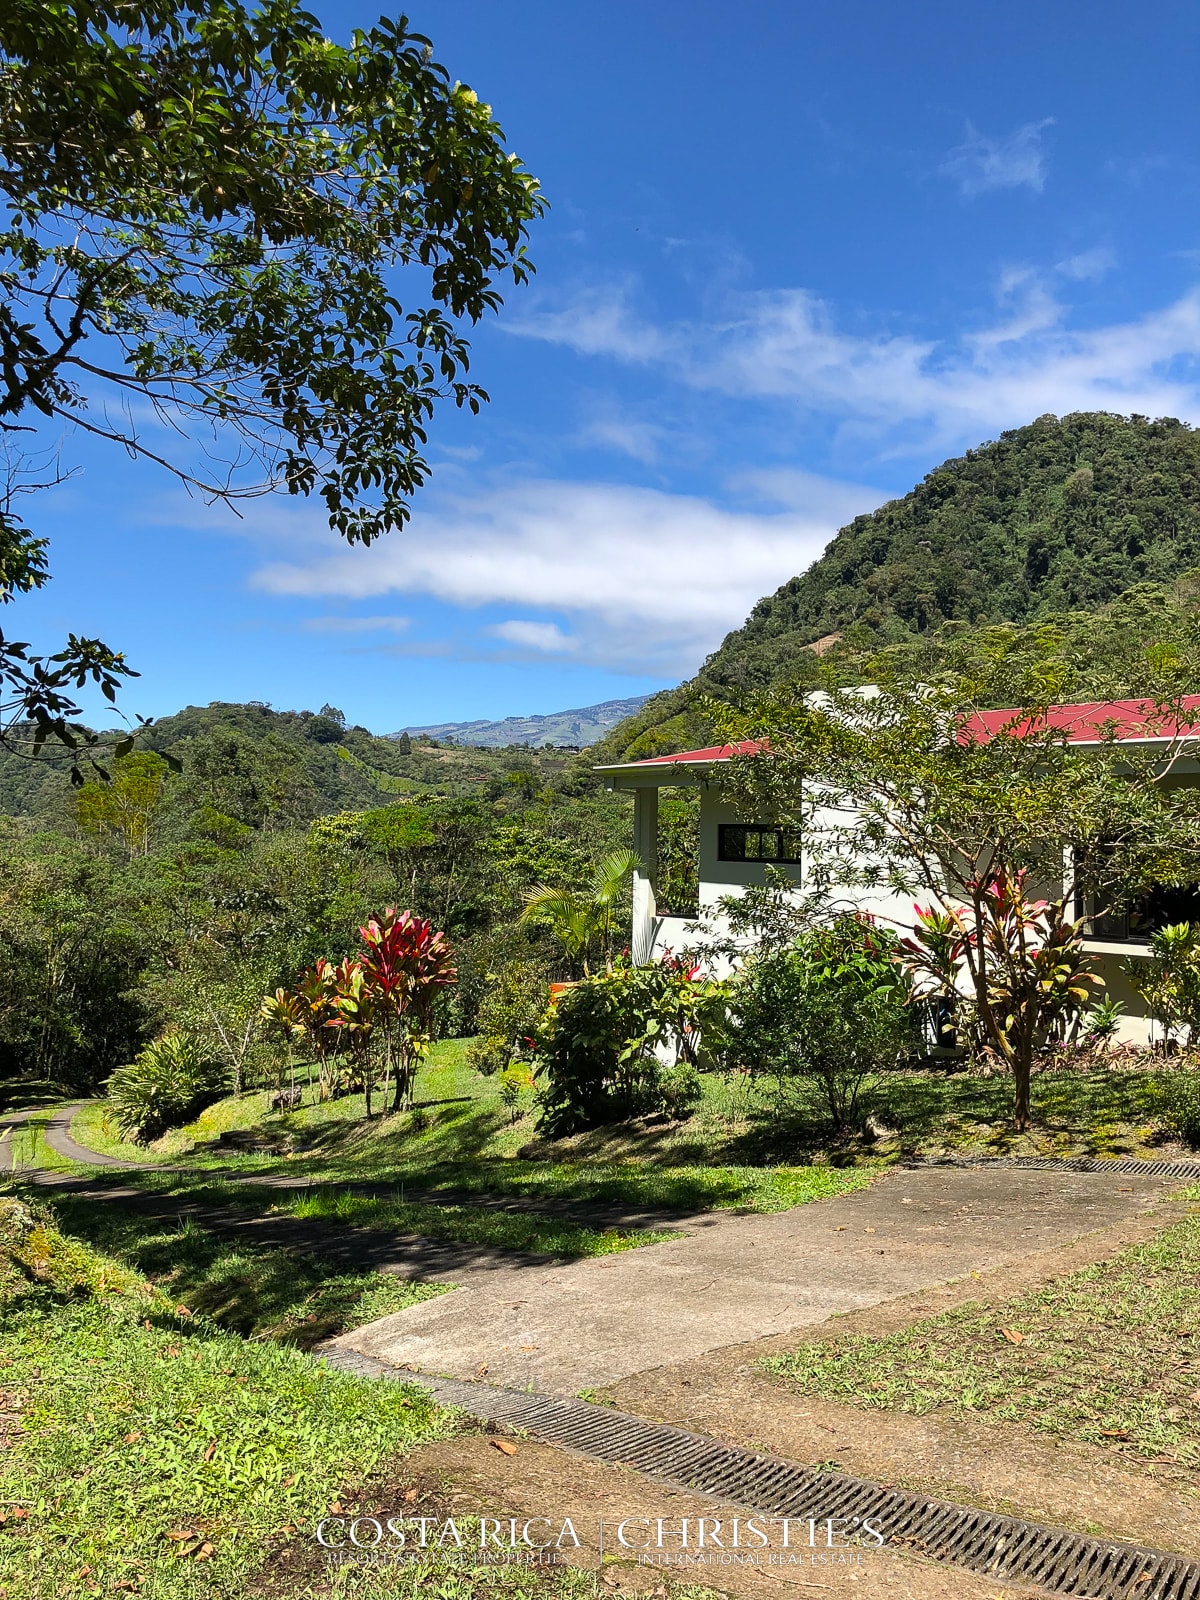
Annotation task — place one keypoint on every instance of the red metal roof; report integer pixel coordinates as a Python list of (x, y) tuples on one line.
[(714, 752), (1087, 722), (1091, 721)]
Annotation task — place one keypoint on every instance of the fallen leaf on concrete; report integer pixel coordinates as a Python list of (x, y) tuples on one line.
[(504, 1447)]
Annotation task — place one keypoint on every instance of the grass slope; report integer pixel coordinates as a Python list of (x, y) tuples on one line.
[(1109, 1354), (131, 1421)]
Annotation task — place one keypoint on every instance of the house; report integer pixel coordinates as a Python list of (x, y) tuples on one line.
[(736, 850)]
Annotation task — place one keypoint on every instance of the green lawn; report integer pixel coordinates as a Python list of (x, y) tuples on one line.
[(740, 1122), (747, 1144), (155, 1453), (137, 1421), (259, 1293), (1109, 1354), (29, 1145)]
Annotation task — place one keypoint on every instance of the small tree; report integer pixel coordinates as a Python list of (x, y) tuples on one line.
[(583, 921), (283, 1019), (909, 788), (831, 1007), (1169, 983), (355, 1014), (406, 965), (126, 803), (315, 993), (1019, 967)]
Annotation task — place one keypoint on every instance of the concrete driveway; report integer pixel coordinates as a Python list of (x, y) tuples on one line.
[(731, 1279)]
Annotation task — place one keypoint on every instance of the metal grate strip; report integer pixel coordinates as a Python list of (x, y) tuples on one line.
[(1129, 1166), (1007, 1548)]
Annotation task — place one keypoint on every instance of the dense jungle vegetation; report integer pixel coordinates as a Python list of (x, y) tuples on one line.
[(182, 897), (1049, 524)]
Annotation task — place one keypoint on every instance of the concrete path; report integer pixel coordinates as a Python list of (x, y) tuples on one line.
[(58, 1137), (731, 1279)]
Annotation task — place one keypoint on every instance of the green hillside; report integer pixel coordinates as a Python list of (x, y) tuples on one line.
[(290, 766), (1062, 516)]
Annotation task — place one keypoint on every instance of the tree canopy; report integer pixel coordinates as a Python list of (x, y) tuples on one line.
[(214, 209)]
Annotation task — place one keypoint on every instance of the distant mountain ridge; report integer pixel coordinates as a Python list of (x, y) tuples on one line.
[(583, 725)]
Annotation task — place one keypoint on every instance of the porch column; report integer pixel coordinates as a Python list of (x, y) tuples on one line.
[(645, 842)]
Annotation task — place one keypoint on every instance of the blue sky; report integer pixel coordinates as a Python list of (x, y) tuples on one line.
[(797, 255)]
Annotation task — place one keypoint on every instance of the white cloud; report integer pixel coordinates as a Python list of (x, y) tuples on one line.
[(625, 433), (1013, 162), (1088, 264), (630, 578), (917, 395), (545, 637), (357, 624)]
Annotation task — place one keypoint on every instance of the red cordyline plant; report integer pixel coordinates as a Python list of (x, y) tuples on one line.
[(373, 1008), (355, 1016), (406, 965), (315, 993), (1014, 961)]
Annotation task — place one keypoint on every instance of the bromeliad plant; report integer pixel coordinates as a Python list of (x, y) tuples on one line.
[(1014, 962)]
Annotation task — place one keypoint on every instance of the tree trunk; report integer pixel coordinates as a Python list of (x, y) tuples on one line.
[(1022, 1071)]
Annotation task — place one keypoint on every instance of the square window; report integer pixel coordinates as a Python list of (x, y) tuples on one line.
[(754, 841)]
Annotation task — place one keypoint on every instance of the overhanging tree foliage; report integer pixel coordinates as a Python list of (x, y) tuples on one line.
[(213, 210)]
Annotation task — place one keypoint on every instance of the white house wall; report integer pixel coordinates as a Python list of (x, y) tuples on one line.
[(719, 879)]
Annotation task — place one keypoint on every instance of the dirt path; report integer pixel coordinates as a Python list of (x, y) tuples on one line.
[(735, 1279)]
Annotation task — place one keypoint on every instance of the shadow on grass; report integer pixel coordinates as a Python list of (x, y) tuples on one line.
[(263, 1293)]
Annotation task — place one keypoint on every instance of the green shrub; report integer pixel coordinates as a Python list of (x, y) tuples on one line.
[(626, 1043), (165, 1086), (509, 1012), (1181, 1105), (1169, 982), (832, 1007)]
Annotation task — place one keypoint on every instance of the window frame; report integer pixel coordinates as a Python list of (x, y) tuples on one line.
[(784, 836)]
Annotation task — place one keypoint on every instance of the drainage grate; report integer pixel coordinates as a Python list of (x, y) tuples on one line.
[(1004, 1548), (1124, 1164)]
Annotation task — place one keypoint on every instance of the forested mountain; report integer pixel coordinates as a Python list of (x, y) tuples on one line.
[(159, 896), (1062, 516)]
